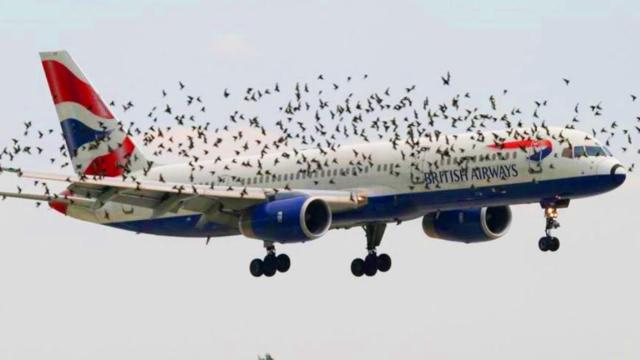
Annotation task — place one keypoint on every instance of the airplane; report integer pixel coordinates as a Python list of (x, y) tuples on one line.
[(462, 186)]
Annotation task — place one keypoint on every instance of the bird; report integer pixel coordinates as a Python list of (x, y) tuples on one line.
[(446, 80)]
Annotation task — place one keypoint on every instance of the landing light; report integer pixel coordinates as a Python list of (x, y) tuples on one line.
[(551, 212)]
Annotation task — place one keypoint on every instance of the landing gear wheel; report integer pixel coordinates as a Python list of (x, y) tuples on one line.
[(283, 263), (357, 267), (269, 265), (371, 265), (543, 243), (384, 262), (255, 267), (554, 244)]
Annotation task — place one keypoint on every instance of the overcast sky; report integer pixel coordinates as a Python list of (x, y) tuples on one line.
[(74, 290)]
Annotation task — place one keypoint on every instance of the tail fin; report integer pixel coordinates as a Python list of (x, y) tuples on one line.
[(96, 142)]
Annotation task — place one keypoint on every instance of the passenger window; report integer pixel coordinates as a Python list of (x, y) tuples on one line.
[(567, 152), (384, 167)]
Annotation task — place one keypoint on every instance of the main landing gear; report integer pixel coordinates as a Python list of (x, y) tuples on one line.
[(372, 262), (271, 263), (548, 242)]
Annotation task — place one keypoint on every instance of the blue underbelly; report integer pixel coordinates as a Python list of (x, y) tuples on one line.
[(400, 206), (411, 205), (184, 225)]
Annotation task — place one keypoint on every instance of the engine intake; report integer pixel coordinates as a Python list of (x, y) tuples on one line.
[(469, 225), (293, 219)]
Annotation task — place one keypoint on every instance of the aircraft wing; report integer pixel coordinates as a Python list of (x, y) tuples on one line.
[(164, 197)]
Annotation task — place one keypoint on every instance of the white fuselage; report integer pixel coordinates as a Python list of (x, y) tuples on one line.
[(404, 182)]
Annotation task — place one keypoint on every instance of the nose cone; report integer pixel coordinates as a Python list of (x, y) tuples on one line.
[(618, 174)]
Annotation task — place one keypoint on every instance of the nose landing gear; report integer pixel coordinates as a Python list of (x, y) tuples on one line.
[(549, 242)]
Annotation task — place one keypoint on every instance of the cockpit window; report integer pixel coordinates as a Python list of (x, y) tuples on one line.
[(595, 151), (585, 151)]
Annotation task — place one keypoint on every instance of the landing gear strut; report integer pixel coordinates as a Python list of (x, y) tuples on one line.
[(548, 242), (271, 263), (373, 262)]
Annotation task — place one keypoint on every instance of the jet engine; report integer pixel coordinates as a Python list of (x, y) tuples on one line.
[(468, 225), (287, 220)]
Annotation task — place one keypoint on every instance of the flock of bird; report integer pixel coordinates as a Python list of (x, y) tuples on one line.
[(324, 115)]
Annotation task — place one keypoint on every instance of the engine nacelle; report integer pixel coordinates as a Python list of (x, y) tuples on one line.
[(293, 219), (469, 225)]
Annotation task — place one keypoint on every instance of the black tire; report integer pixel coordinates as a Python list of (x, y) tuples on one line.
[(255, 267), (543, 243), (554, 244), (371, 265), (384, 262), (357, 267), (283, 263), (269, 265)]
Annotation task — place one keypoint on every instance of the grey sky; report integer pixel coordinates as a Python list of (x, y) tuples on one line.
[(74, 290)]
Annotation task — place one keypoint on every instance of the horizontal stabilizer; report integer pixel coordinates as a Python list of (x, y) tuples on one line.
[(47, 198)]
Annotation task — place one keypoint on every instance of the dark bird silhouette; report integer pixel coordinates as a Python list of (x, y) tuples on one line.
[(446, 80)]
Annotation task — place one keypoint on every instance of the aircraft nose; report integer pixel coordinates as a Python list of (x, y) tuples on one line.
[(618, 174)]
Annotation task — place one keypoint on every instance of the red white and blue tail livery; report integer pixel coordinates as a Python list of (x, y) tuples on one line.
[(95, 139), (461, 186)]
